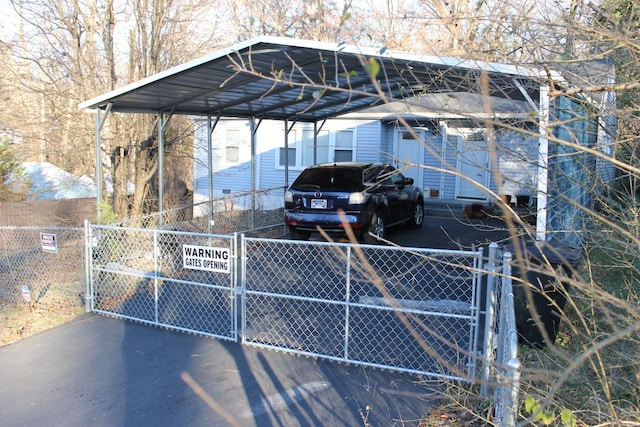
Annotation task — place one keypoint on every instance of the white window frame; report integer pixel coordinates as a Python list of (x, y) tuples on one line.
[(229, 144), (223, 143), (301, 140)]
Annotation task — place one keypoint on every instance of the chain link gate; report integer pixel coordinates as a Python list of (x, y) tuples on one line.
[(413, 310), (178, 280)]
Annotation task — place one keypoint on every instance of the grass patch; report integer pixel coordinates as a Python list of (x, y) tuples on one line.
[(22, 320), (591, 375)]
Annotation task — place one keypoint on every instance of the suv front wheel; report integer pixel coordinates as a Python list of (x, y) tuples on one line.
[(417, 218)]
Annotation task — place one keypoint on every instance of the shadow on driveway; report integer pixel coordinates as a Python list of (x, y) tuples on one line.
[(101, 371)]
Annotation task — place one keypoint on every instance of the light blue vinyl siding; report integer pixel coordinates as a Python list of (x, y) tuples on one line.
[(450, 153), (373, 142), (269, 140), (570, 173), (369, 138), (387, 135), (431, 176), (228, 176)]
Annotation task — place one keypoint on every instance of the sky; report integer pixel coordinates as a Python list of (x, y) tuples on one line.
[(8, 22)]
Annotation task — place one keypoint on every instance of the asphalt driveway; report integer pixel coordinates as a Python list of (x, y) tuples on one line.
[(100, 371), (451, 233)]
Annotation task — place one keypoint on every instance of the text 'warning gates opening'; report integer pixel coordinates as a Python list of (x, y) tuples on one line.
[(206, 258)]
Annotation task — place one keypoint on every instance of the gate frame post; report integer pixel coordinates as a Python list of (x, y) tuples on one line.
[(489, 320), (239, 287), (88, 258)]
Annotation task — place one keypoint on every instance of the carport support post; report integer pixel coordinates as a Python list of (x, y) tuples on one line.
[(210, 128), (543, 165), (100, 119), (162, 124), (210, 167), (286, 154), (253, 172), (489, 320)]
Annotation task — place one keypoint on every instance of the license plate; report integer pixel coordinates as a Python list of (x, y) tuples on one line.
[(318, 204)]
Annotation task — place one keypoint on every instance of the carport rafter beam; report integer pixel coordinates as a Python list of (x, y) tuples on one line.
[(248, 99), (200, 95), (329, 106), (543, 164), (294, 100)]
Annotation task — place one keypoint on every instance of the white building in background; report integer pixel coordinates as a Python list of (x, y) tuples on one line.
[(49, 182)]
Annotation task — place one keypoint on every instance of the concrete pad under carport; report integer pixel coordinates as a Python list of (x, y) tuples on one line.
[(446, 232), (101, 371), (451, 232)]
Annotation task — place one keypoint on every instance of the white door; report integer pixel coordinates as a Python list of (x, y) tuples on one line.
[(410, 151), (473, 163)]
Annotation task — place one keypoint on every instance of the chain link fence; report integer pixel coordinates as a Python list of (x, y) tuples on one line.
[(42, 269), (410, 310), (506, 377), (259, 212)]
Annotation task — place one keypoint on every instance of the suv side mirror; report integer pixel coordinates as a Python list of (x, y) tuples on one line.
[(408, 181)]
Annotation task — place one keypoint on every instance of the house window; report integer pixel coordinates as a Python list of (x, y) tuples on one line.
[(291, 159), (232, 146), (330, 146), (343, 151), (288, 156)]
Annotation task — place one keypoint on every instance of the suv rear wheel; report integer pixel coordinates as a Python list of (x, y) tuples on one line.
[(299, 235), (376, 230)]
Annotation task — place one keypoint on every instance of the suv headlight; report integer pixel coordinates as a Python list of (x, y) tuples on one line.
[(358, 198), (288, 197)]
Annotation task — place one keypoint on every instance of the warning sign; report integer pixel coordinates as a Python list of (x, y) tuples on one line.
[(48, 242), (206, 258), (26, 294)]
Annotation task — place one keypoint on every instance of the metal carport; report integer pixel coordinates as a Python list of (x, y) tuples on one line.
[(298, 80)]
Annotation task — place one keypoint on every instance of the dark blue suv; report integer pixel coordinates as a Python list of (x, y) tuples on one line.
[(372, 196)]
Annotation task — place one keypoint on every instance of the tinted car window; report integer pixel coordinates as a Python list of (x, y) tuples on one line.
[(385, 176), (371, 174), (397, 179), (327, 179)]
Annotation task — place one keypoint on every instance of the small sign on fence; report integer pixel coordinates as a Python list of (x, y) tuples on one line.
[(49, 242), (26, 293), (206, 258)]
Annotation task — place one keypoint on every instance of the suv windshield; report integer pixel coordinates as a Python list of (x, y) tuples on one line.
[(330, 179)]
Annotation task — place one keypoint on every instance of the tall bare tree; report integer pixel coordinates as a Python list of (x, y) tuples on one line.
[(72, 50), (315, 19)]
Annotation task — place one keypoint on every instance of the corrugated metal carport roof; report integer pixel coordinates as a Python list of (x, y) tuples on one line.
[(278, 78)]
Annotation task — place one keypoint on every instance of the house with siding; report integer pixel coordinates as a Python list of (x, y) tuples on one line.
[(432, 149), (437, 153), (447, 154), (446, 142)]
